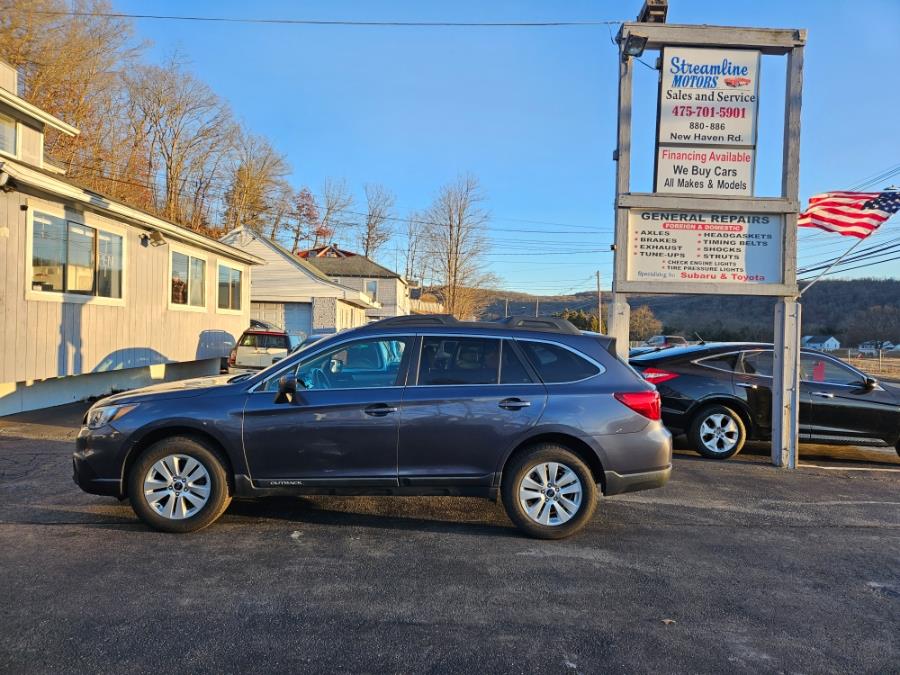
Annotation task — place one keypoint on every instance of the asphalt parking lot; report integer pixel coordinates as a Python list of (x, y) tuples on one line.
[(733, 566)]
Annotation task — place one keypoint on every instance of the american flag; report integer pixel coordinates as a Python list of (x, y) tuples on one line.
[(852, 214)]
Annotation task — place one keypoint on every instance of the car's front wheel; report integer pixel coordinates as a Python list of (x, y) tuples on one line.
[(549, 492), (178, 485), (718, 432)]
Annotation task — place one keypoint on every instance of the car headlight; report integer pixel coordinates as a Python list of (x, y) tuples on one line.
[(98, 417)]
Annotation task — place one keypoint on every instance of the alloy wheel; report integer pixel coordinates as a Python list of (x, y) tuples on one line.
[(550, 493), (719, 433), (177, 487)]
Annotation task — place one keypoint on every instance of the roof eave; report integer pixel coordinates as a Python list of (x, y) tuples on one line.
[(36, 113), (37, 180)]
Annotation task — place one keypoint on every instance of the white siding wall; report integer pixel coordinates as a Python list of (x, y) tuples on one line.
[(393, 295), (46, 338), (31, 145)]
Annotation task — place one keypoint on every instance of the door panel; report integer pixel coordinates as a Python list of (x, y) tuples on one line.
[(843, 409), (323, 437), (753, 384), (463, 431), (457, 422), (337, 428)]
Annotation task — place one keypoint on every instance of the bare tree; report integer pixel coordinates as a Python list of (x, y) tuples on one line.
[(282, 211), (305, 220), (376, 231), (255, 180), (456, 242), (414, 258), (71, 67), (188, 124), (336, 201)]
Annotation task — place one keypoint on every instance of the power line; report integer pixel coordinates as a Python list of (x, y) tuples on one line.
[(335, 22)]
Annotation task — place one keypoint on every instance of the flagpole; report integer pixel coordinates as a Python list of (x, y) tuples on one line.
[(832, 265)]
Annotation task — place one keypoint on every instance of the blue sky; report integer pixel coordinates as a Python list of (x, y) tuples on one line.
[(529, 111)]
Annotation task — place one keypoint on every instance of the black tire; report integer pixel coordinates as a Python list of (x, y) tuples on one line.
[(702, 433), (521, 466), (216, 479)]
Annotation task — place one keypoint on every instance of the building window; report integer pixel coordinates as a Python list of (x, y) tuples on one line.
[(372, 289), (69, 257), (7, 135), (188, 280), (229, 288)]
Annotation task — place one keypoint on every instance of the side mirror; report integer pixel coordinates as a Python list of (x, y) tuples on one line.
[(870, 383), (287, 389)]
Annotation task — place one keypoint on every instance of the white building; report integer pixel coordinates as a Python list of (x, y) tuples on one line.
[(289, 292), (96, 295), (823, 343)]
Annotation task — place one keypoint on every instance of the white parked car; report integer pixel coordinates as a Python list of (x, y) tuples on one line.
[(260, 348)]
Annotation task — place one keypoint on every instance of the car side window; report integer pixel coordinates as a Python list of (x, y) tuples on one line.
[(815, 368), (366, 363), (459, 360), (248, 340), (720, 362), (555, 363), (512, 370), (758, 363)]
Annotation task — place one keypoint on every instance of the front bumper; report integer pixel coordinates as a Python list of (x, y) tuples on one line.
[(617, 483), (95, 466)]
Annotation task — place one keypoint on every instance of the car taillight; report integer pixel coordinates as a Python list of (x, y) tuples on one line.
[(657, 375), (232, 357), (644, 403)]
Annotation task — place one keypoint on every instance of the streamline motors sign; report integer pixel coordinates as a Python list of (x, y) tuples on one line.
[(706, 129)]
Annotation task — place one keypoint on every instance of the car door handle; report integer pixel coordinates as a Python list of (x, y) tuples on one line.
[(823, 394), (746, 385), (380, 410), (513, 404)]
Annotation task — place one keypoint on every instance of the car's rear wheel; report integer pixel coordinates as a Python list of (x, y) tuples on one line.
[(549, 492), (718, 432), (178, 485)]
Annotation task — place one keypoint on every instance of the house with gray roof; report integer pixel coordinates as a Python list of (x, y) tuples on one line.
[(389, 289)]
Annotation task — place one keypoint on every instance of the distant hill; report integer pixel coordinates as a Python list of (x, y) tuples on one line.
[(828, 308)]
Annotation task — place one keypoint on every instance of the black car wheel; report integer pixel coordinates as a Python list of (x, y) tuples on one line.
[(548, 492), (718, 432), (178, 485)]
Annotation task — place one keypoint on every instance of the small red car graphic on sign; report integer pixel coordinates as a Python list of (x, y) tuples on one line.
[(737, 81)]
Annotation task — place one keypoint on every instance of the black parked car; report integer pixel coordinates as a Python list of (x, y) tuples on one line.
[(530, 409), (720, 395)]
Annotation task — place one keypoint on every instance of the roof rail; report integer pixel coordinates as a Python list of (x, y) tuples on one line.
[(545, 324), (418, 320)]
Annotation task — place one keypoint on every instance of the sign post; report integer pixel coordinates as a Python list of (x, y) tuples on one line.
[(702, 231)]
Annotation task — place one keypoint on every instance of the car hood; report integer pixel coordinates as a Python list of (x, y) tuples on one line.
[(166, 390), (892, 388)]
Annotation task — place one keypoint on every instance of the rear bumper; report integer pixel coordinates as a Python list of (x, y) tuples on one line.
[(617, 483)]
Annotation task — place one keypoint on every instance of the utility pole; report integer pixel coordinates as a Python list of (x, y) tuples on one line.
[(599, 306), (505, 307), (537, 306)]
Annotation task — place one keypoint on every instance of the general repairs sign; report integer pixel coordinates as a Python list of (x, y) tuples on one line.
[(708, 96), (691, 246)]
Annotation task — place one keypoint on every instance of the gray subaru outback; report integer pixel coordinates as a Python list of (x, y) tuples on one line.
[(530, 410)]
